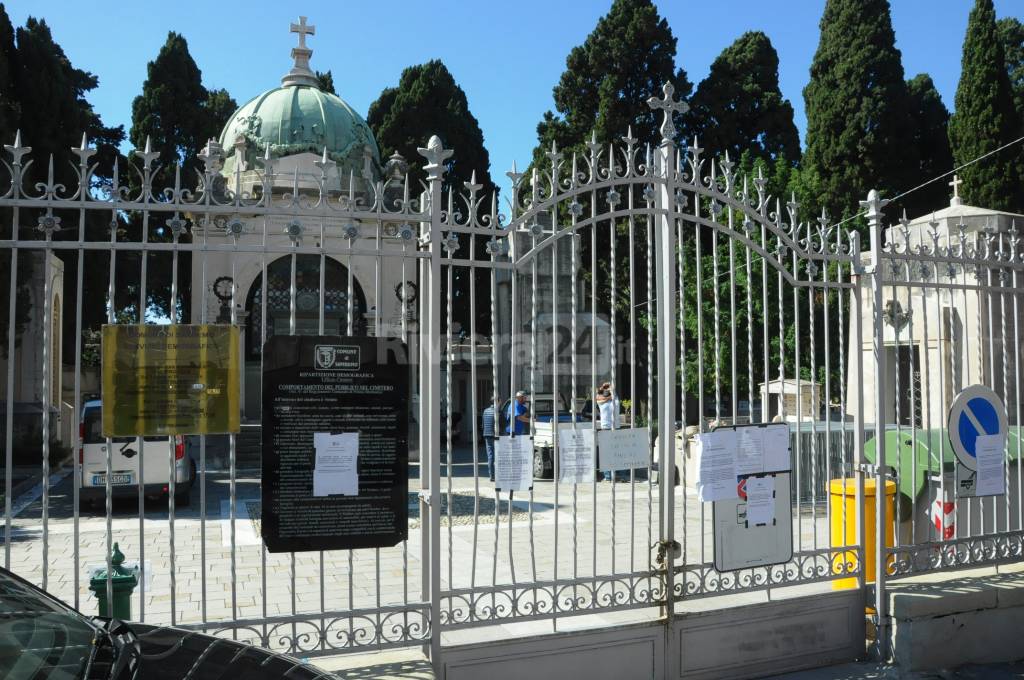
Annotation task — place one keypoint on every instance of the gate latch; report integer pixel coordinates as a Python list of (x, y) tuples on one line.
[(664, 549)]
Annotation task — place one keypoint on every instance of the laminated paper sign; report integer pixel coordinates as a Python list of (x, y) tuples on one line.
[(170, 379)]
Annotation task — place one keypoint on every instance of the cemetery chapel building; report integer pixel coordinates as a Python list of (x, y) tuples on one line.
[(297, 124)]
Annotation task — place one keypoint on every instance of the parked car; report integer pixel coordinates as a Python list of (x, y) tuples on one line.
[(124, 463), (42, 637)]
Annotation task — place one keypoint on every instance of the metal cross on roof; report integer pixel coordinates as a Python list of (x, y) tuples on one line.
[(956, 189), (303, 29)]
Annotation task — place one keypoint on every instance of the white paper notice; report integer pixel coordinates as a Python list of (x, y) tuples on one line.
[(776, 448), (749, 450), (716, 470), (576, 455), (513, 463), (336, 471), (624, 449), (989, 451), (760, 500)]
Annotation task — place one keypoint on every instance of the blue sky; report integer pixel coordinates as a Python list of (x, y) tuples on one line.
[(506, 56)]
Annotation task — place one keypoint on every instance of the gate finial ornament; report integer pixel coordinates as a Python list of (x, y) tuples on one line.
[(436, 155), (669, 105)]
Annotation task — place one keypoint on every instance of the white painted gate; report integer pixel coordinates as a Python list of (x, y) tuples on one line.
[(703, 302)]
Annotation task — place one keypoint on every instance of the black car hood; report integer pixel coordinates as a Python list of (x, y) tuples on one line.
[(174, 653)]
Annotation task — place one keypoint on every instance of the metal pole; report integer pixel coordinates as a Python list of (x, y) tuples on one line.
[(874, 205), (665, 252), (436, 155)]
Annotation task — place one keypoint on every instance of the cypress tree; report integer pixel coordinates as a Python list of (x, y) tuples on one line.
[(428, 101), (171, 110), (985, 118), (326, 81), (739, 107), (1011, 33), (48, 85), (625, 60), (9, 109), (858, 123), (931, 142), (178, 115)]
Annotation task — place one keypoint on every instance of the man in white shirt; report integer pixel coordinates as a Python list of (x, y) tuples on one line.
[(608, 408)]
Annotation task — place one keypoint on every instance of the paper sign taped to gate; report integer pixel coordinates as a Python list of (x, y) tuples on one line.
[(170, 379)]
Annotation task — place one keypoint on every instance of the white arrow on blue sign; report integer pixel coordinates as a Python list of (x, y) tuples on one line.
[(977, 410)]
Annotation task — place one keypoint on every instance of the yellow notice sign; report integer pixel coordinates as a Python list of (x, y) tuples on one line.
[(170, 379)]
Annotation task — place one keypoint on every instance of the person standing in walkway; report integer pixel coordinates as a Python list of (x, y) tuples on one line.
[(520, 422), (490, 431), (608, 407)]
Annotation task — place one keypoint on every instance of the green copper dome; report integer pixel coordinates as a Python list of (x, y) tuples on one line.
[(299, 118)]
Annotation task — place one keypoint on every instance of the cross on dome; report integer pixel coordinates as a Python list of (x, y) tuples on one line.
[(303, 29), (301, 73), (956, 200)]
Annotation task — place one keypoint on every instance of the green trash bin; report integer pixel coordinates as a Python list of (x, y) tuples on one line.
[(123, 581)]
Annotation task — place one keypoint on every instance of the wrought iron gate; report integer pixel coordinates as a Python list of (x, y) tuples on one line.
[(702, 301)]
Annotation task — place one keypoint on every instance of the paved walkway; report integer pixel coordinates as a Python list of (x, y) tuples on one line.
[(216, 569)]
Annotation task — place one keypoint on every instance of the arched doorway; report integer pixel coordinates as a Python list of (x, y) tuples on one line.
[(307, 302), (307, 312)]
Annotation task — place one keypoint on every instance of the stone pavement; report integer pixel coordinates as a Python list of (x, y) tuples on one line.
[(216, 569)]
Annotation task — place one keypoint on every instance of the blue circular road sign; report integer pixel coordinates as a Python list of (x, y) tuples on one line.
[(976, 411)]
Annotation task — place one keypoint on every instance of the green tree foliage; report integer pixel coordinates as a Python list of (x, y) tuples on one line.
[(46, 83), (739, 108), (931, 142), (428, 101), (174, 110), (220, 106), (326, 81), (858, 119), (178, 115), (602, 94), (604, 89), (984, 117), (10, 110), (1011, 34), (9, 119)]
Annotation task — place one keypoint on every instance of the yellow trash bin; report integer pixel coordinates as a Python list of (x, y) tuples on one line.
[(843, 528)]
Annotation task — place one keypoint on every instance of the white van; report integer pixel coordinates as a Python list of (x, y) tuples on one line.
[(124, 463)]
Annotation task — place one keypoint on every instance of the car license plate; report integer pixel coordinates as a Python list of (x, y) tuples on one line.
[(115, 479)]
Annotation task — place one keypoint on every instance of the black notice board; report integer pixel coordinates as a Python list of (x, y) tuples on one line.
[(335, 385)]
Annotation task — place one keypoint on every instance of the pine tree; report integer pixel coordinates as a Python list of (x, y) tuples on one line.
[(984, 118), (739, 108), (604, 89), (931, 142), (426, 102), (858, 121)]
